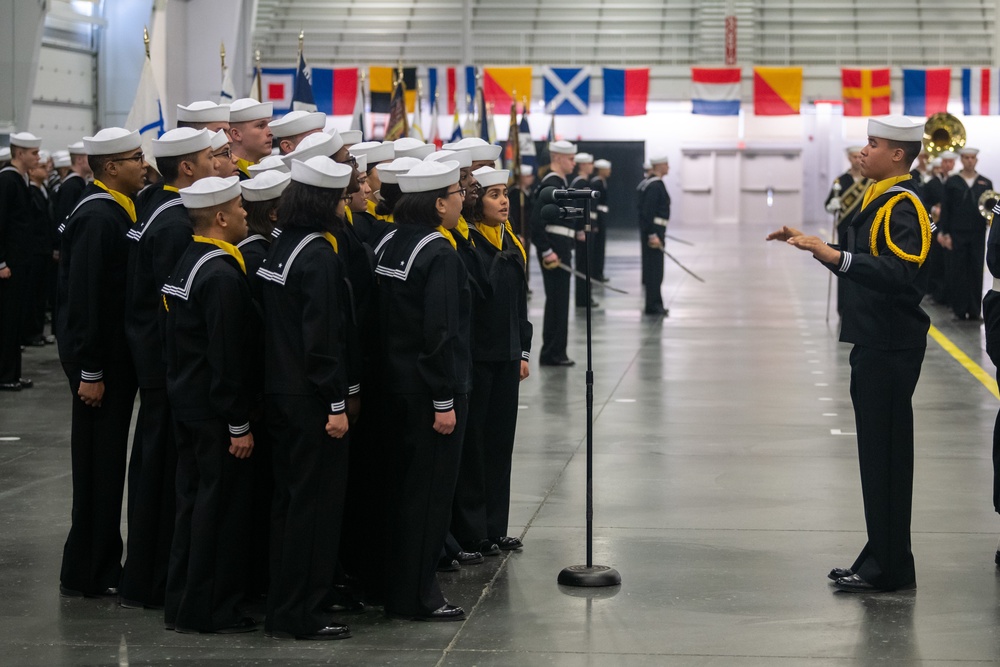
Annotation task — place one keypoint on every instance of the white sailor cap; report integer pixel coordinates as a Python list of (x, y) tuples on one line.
[(219, 139), (61, 159), (429, 176), (602, 164), (527, 170), (411, 147), (322, 172), (182, 141), (660, 159), (375, 150), (77, 148), (362, 161), (480, 149), (463, 157), (247, 108), (297, 122), (111, 141), (211, 191), (5, 154), (583, 158), (936, 162), (948, 155), (352, 137), (203, 111), (270, 163), (44, 155), (562, 147), (388, 172), (25, 140), (968, 151), (855, 149), (895, 128), (647, 165), (488, 176), (266, 186), (317, 143)]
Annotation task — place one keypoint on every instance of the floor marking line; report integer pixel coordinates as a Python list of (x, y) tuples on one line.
[(965, 361)]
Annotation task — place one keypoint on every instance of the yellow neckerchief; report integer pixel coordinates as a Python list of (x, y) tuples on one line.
[(170, 188), (332, 240), (348, 216), (123, 201), (447, 233), (882, 222), (517, 241), (370, 207), (228, 247), (494, 234), (463, 228), (243, 165), (876, 190)]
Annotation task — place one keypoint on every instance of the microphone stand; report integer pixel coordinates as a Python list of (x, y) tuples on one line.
[(589, 575)]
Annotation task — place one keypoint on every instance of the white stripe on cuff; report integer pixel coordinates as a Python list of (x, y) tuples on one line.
[(845, 261), (91, 377), (337, 408), (444, 406), (354, 389), (237, 431), (526, 355), (3, 265)]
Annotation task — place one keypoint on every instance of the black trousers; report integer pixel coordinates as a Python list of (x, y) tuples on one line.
[(92, 555), (482, 494), (152, 487), (262, 466), (33, 305), (310, 478), (966, 278), (991, 318), (937, 282), (652, 271), (600, 241), (581, 265), (882, 385), (12, 293), (555, 324), (208, 557), (422, 484)]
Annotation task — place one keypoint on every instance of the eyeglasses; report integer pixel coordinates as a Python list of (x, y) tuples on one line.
[(138, 158), (346, 197), (460, 191), (225, 154)]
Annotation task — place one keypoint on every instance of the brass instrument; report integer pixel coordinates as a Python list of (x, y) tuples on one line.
[(987, 201), (943, 132)]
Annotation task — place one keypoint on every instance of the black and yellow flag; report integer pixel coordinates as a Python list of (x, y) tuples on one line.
[(397, 127), (381, 81)]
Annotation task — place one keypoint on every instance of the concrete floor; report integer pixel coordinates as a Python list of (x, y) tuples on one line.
[(726, 487)]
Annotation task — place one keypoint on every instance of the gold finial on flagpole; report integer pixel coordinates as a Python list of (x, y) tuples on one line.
[(256, 58), (222, 54), (145, 39), (302, 39)]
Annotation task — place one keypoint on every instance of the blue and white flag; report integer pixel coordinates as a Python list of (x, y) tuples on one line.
[(567, 90), (302, 94), (228, 93), (146, 114)]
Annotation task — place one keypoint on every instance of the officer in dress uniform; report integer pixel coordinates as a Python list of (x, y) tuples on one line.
[(156, 242), (654, 213), (93, 349), (962, 233), (852, 190), (209, 328), (17, 220), (424, 307), (600, 217), (295, 126), (584, 169), (249, 135), (882, 267), (306, 382), (554, 243)]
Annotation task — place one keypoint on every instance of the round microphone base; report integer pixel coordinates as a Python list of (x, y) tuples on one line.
[(594, 576)]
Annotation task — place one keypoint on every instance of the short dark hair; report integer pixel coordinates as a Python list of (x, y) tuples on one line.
[(169, 167), (201, 218), (259, 216), (99, 164), (419, 208), (304, 205), (911, 149), (390, 194)]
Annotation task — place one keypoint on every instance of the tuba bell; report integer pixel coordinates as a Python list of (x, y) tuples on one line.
[(943, 132), (987, 201)]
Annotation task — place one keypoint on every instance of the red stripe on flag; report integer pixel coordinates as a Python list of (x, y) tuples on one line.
[(451, 90), (984, 92), (715, 75), (345, 90), (937, 88), (636, 91)]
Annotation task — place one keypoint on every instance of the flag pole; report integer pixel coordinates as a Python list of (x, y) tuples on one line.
[(302, 39), (256, 61), (222, 57), (145, 39)]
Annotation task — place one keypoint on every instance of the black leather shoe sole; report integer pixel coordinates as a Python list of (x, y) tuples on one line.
[(996, 559), (469, 558), (507, 543), (6, 386), (855, 584), (328, 633), (245, 624), (448, 565), (839, 573), (73, 593)]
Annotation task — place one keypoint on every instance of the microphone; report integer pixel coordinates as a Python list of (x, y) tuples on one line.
[(553, 212), (582, 193)]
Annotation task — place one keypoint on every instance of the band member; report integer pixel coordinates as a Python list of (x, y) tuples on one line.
[(962, 233), (295, 126), (554, 243), (209, 332), (500, 351), (161, 234), (93, 349), (249, 135), (600, 217), (852, 190), (306, 382), (881, 265), (584, 169), (932, 194), (424, 306), (654, 213), (17, 222)]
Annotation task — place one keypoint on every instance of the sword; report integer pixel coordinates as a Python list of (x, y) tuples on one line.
[(593, 282), (686, 269), (681, 241)]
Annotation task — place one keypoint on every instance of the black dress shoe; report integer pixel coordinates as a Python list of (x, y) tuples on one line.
[(557, 362), (332, 631), (10, 386), (839, 573), (855, 584), (26, 383), (506, 543), (469, 557), (996, 559), (448, 565), (74, 593), (245, 624), (661, 312), (37, 341), (485, 547), (447, 612)]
